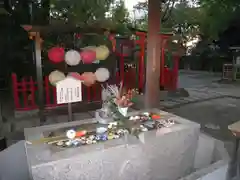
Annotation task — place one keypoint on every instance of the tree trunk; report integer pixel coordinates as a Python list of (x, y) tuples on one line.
[(152, 92)]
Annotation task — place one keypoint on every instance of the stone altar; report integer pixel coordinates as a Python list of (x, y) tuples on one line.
[(165, 154)]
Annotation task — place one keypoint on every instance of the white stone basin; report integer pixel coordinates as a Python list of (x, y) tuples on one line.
[(172, 154)]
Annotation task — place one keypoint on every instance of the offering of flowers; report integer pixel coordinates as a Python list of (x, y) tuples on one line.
[(116, 101)]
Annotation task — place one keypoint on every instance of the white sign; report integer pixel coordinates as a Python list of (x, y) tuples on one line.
[(69, 90)]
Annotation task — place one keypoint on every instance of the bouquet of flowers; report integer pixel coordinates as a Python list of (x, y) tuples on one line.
[(117, 100)]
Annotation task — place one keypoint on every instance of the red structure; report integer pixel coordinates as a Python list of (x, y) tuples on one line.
[(25, 90)]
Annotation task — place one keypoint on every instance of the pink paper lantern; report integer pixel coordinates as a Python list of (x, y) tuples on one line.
[(75, 75), (88, 56), (56, 54)]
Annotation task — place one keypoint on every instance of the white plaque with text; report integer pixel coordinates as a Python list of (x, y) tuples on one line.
[(69, 90)]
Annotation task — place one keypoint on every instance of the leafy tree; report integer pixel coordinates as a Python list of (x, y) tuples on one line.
[(216, 16), (178, 17), (57, 11), (120, 16)]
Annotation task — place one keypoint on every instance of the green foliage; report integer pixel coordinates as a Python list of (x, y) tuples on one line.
[(177, 17), (61, 11), (119, 17), (216, 16), (208, 19), (76, 11)]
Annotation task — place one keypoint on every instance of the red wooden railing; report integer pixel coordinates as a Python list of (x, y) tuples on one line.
[(24, 90)]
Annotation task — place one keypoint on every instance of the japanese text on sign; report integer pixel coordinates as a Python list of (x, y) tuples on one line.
[(68, 91)]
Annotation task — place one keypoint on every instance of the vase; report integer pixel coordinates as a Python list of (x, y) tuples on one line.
[(123, 111), (102, 118)]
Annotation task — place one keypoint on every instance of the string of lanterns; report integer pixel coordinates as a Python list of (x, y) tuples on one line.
[(87, 55)]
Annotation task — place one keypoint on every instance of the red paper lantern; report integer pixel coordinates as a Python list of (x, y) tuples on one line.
[(88, 56), (56, 54)]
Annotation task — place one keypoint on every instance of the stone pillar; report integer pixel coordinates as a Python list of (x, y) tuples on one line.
[(152, 91)]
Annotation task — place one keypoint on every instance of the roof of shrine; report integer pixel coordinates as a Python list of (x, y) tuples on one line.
[(68, 28)]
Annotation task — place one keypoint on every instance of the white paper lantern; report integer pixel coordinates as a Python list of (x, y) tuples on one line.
[(72, 58), (102, 74), (56, 76)]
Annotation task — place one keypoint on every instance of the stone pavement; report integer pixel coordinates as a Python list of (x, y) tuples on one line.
[(195, 95)]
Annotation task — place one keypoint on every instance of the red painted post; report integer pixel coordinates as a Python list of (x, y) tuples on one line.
[(32, 92), (94, 92), (141, 66), (15, 91), (162, 63), (121, 64), (97, 92), (175, 71), (162, 72), (47, 90), (89, 94), (24, 93), (54, 96)]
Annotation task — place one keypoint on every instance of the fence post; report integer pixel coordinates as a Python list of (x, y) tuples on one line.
[(142, 63), (32, 94), (47, 90), (24, 91), (15, 91), (121, 64), (89, 94), (175, 71)]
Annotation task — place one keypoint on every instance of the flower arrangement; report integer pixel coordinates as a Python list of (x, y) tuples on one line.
[(117, 100)]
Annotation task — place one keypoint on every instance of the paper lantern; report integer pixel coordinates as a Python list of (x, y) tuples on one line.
[(56, 54), (75, 75), (93, 48), (102, 52), (102, 74), (88, 56), (89, 78), (72, 58), (55, 77)]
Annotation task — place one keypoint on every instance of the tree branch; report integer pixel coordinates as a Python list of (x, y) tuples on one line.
[(164, 19)]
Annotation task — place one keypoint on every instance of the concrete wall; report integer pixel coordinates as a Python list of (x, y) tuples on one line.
[(211, 160), (13, 163)]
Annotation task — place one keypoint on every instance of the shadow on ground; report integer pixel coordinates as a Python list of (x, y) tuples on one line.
[(213, 115)]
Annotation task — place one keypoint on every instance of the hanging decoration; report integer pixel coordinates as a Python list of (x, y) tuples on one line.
[(72, 58), (88, 78), (93, 48), (102, 74), (56, 76), (56, 54), (88, 56), (102, 52), (75, 75)]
